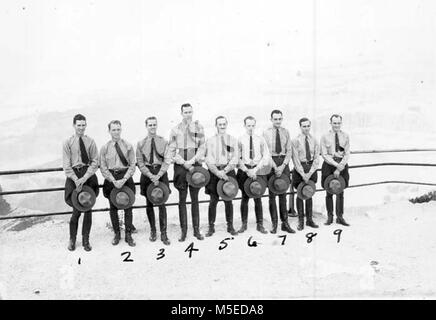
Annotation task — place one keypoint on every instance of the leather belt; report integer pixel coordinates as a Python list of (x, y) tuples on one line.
[(116, 171), (153, 166)]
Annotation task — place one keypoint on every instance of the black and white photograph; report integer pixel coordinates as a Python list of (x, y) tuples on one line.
[(217, 150)]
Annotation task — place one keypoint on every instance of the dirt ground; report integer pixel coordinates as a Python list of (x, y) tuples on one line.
[(389, 251)]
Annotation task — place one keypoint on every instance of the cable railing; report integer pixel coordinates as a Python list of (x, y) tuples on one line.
[(28, 171)]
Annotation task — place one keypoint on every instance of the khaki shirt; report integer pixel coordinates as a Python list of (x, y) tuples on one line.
[(218, 154), (285, 141), (110, 160), (71, 156), (328, 147), (262, 157), (143, 149), (299, 154), (189, 137)]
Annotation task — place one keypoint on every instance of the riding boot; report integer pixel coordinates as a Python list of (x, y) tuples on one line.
[(85, 243)]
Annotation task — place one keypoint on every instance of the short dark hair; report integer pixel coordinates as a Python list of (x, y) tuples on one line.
[(185, 105), (113, 122), (335, 116), (249, 118), (276, 111), (303, 120), (150, 118), (220, 117), (78, 117)]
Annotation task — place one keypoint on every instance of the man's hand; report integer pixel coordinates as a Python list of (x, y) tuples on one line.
[(336, 173), (305, 177), (223, 175), (117, 184), (279, 170), (79, 184), (188, 165), (251, 173), (340, 167), (155, 179)]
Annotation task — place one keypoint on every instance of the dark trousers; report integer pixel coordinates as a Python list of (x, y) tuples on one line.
[(211, 190), (128, 217), (327, 170), (257, 209), (212, 210), (241, 177), (86, 224), (195, 209), (282, 197), (144, 183), (87, 217), (113, 210), (296, 180)]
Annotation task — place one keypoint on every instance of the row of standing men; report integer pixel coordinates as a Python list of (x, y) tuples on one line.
[(253, 156)]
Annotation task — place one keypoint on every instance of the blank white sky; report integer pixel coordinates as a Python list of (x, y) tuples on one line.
[(52, 51)]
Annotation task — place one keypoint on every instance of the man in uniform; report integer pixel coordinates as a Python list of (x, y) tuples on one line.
[(187, 147), (153, 161), (221, 159), (335, 150), (117, 165), (254, 163), (80, 162), (279, 144), (306, 160)]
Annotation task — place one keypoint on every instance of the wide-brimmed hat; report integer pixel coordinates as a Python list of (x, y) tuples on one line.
[(227, 190), (334, 185), (122, 198), (198, 178), (279, 185), (83, 200), (306, 190), (158, 194), (255, 188)]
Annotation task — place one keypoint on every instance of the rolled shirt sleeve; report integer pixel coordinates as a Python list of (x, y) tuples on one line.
[(103, 165), (93, 155), (66, 162)]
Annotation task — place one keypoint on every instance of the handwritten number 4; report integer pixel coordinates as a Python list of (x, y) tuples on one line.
[(190, 249)]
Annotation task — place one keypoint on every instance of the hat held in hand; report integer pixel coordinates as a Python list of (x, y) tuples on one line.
[(198, 177), (306, 190), (159, 194), (83, 200), (122, 198), (227, 190), (334, 185)]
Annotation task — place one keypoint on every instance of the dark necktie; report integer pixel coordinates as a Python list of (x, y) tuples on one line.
[(153, 147), (121, 155), (278, 142), (308, 158), (251, 148), (83, 153), (337, 148), (223, 146)]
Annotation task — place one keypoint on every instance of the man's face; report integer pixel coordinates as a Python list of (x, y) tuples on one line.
[(79, 127), (276, 120), (151, 126), (336, 123), (221, 125), (305, 127), (249, 126), (115, 131), (187, 113)]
